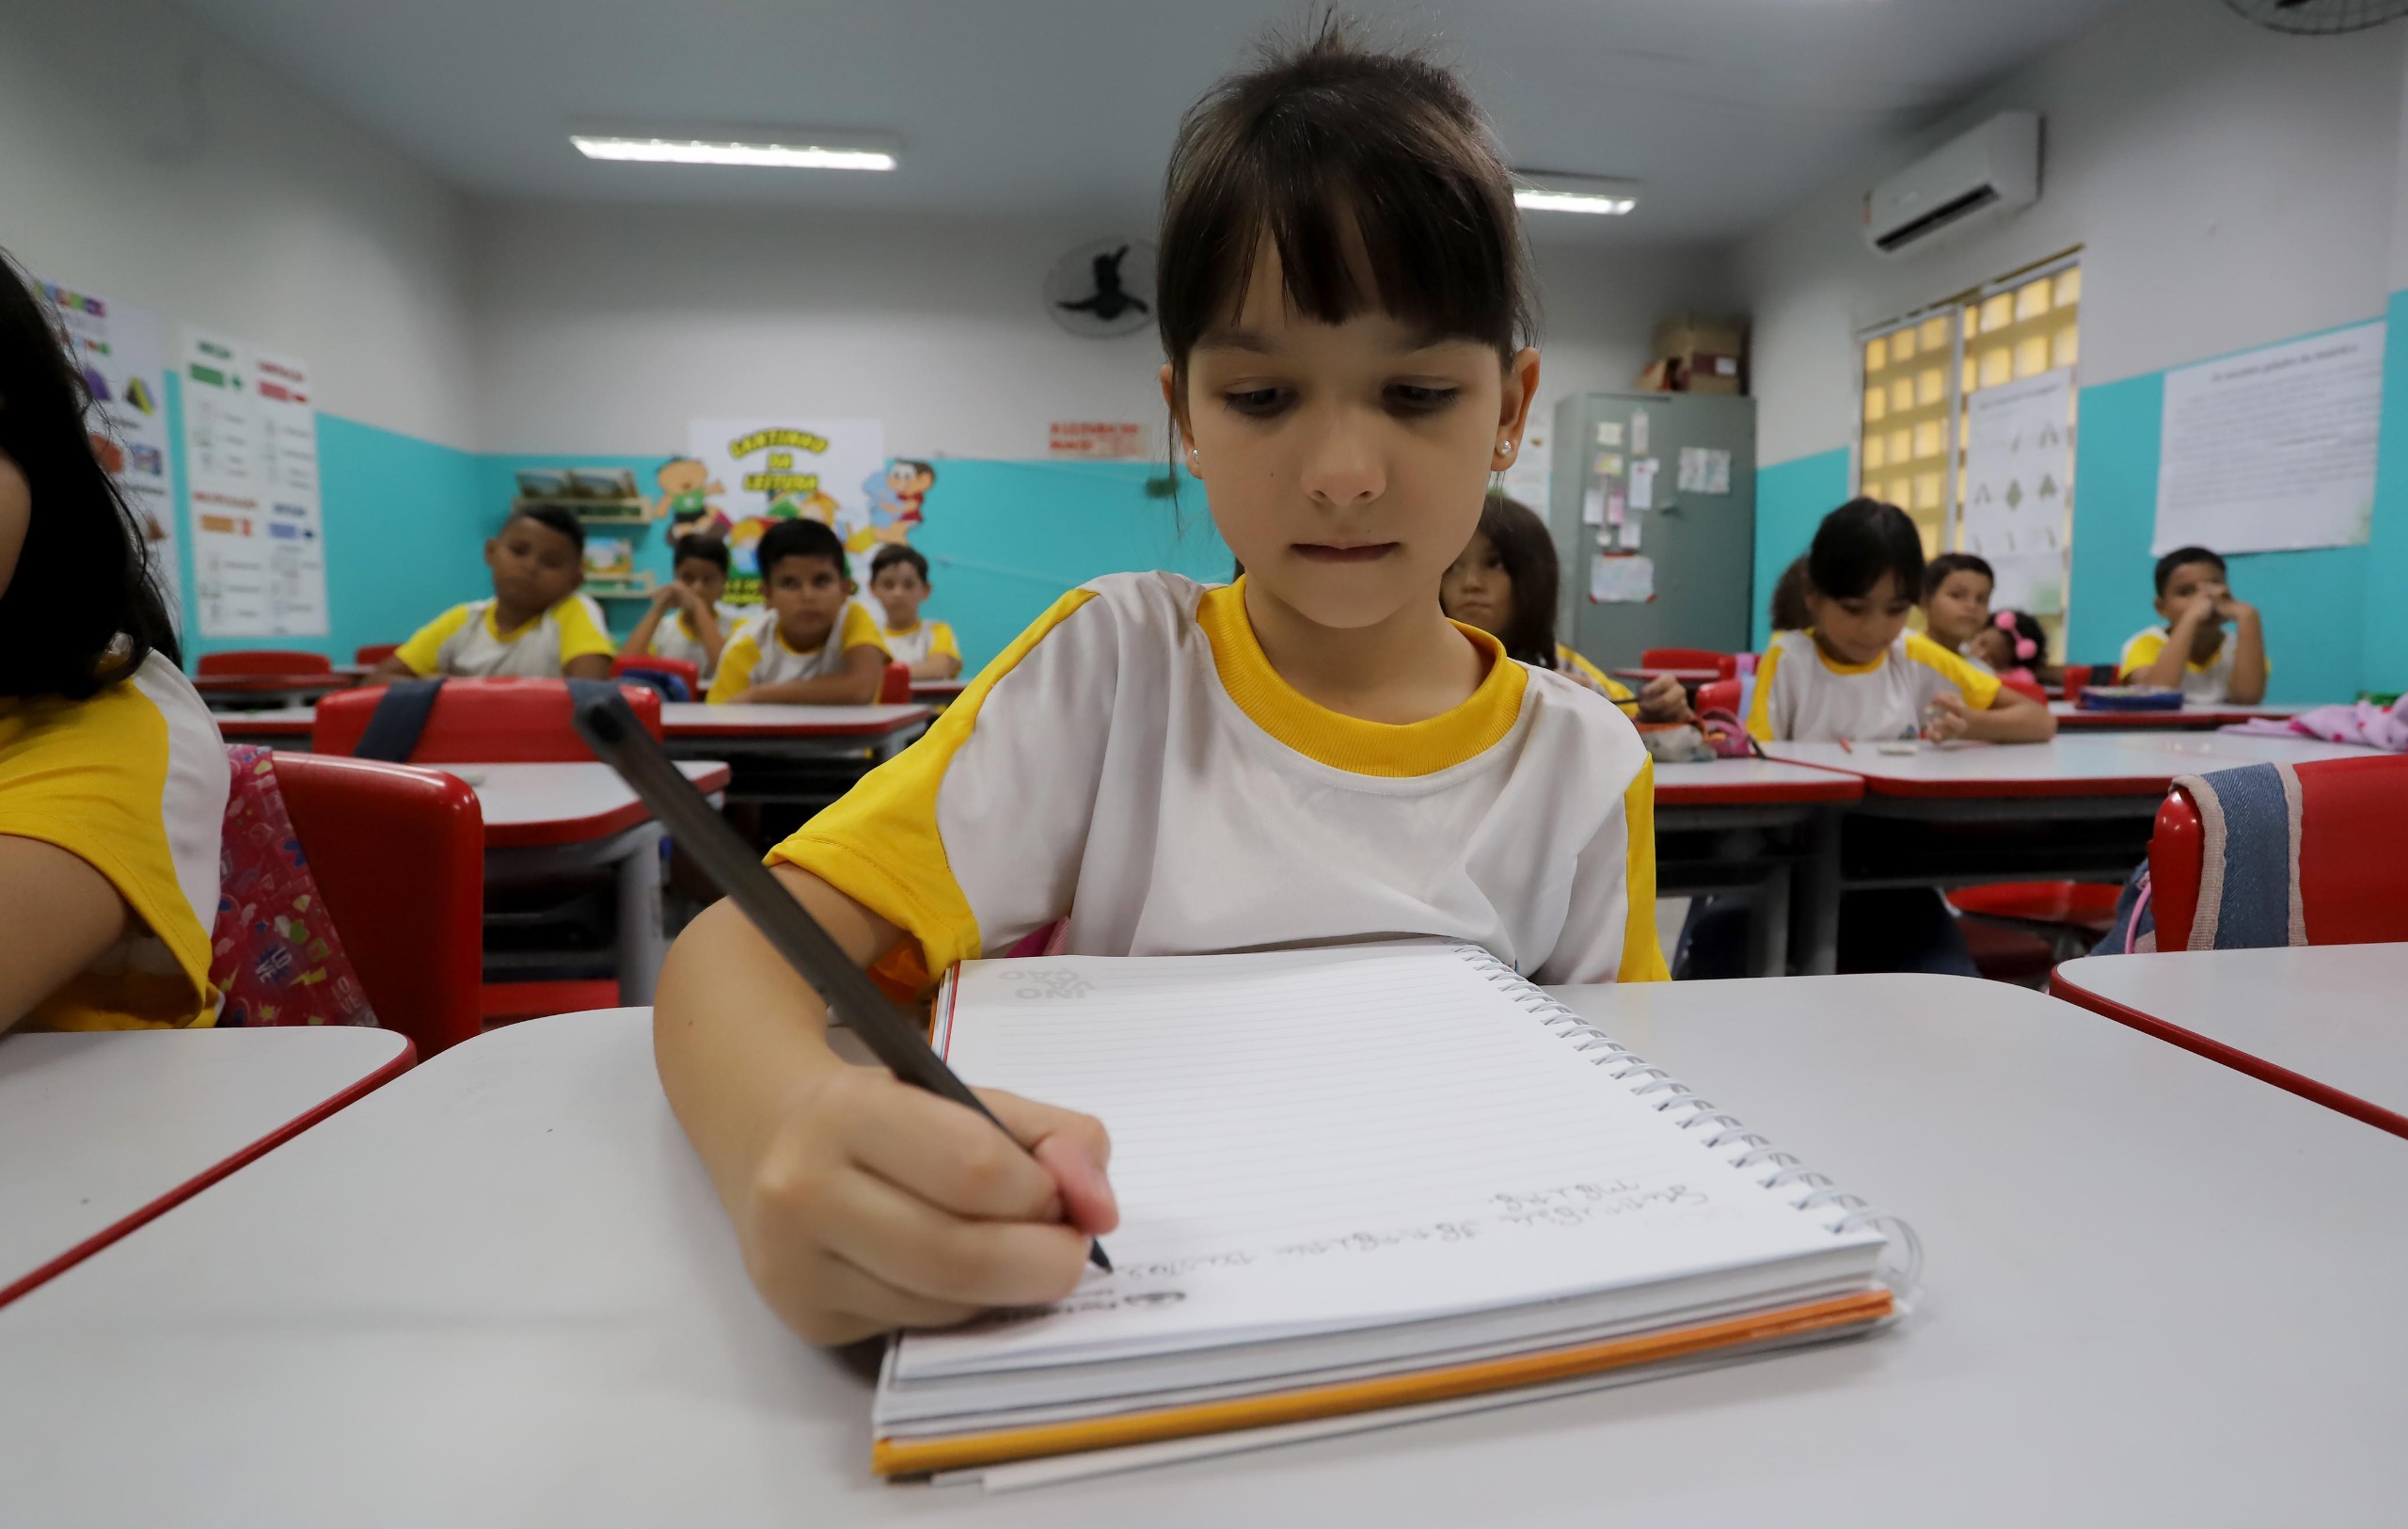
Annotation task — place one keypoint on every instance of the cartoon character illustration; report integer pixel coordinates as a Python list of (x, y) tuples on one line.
[(1110, 299), (896, 495), (813, 506), (686, 488)]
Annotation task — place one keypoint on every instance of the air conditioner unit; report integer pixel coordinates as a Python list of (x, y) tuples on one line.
[(1984, 174)]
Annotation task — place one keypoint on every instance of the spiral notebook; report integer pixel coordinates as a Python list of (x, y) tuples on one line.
[(1351, 1179)]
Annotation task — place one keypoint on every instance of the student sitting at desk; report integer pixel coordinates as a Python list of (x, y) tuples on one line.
[(898, 576), (812, 646), (1312, 754), (536, 624), (1957, 598), (699, 629), (1858, 673), (113, 779), (1505, 584), (2189, 652)]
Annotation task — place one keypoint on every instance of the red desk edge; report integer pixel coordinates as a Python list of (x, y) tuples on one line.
[(1843, 787), (582, 829), (2093, 786), (301, 727), (2062, 986), (42, 1274)]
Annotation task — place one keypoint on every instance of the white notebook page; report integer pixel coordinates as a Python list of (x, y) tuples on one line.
[(1315, 1140)]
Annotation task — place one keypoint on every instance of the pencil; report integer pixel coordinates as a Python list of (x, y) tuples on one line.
[(1846, 747), (605, 723)]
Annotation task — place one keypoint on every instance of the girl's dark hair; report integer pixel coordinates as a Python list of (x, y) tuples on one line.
[(80, 613), (710, 550), (1324, 143), (1789, 609), (1527, 549), (1936, 572), (2024, 626), (1860, 541)]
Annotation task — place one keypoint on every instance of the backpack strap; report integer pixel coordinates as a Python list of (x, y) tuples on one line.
[(394, 727)]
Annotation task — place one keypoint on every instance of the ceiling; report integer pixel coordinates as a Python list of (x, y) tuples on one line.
[(1728, 111)]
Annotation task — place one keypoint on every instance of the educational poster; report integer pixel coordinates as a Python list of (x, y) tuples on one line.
[(2272, 450), (259, 555), (758, 471), (122, 350), (2019, 487)]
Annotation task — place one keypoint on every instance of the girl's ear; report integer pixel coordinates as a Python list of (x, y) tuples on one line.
[(1183, 447), (1515, 401)]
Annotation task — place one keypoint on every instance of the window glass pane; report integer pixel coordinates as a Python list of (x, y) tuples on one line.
[(1928, 492), (2070, 286), (1875, 402), (2063, 348), (1876, 355), (2031, 356), (1967, 385), (1998, 365), (1998, 312), (1902, 393), (1902, 448), (2032, 299), (1902, 345), (1931, 385), (1933, 333), (1930, 539), (1927, 442)]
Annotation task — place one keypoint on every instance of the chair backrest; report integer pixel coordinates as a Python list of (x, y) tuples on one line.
[(1721, 695), (2076, 677), (480, 721), (2031, 688), (369, 655), (1725, 665), (895, 688), (399, 855), (264, 661), (2353, 854), (689, 675)]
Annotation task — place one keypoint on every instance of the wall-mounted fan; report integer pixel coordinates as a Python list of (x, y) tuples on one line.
[(2319, 16), (1102, 288)]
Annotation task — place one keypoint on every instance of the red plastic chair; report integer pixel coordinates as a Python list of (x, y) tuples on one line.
[(369, 654), (265, 660), (399, 855), (896, 687), (1721, 695), (645, 663), (1725, 665), (2031, 688), (2076, 678), (2353, 854), (480, 721)]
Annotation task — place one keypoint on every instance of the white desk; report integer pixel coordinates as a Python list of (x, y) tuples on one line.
[(2328, 1022), (2193, 715), (799, 756), (2084, 765), (544, 821), (99, 1132), (501, 1292)]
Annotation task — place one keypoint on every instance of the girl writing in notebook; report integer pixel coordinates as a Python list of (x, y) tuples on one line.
[(1312, 754), (1505, 583)]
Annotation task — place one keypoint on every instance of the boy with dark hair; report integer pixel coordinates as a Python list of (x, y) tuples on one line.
[(898, 576), (2189, 652), (536, 624), (1957, 598), (812, 646), (698, 631)]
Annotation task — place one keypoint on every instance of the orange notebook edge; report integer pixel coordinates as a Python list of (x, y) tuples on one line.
[(917, 1456)]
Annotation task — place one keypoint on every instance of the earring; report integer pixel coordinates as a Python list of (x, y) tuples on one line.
[(1504, 448)]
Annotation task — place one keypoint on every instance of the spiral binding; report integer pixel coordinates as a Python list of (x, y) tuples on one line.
[(1819, 1192)]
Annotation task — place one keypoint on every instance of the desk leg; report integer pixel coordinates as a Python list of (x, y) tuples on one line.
[(1814, 911), (1768, 925), (641, 944)]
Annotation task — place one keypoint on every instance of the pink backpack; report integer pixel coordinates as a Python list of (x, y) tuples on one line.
[(275, 954)]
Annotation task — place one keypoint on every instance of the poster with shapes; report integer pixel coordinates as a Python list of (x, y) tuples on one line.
[(2272, 450), (1704, 470), (121, 352), (773, 468), (259, 547), (2019, 487)]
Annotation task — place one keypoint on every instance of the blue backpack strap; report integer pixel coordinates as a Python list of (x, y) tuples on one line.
[(394, 727)]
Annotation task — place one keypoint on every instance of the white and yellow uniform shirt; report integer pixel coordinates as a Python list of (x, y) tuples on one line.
[(1133, 764), (922, 641), (674, 637), (465, 641), (1569, 662), (132, 782), (1804, 697), (758, 654), (2208, 681)]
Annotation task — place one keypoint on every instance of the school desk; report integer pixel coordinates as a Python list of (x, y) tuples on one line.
[(938, 692), (229, 693), (807, 754), (282, 726), (546, 822), (99, 1132), (2328, 1022), (1745, 825), (501, 1291), (2190, 717)]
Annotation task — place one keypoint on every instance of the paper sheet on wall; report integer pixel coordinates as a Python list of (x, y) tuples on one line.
[(1638, 432), (1609, 432), (2019, 487), (122, 350), (1621, 579), (1626, 535), (1608, 464), (1642, 483), (1593, 508), (1702, 470), (765, 469), (259, 547), (2273, 449), (1614, 507)]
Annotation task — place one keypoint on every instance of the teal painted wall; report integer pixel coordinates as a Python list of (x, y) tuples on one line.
[(2384, 666), (1791, 498)]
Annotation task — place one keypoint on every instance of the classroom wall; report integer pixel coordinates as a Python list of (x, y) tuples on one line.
[(2229, 187)]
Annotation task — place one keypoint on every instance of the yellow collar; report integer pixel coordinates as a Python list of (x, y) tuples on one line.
[(900, 631), (1837, 668), (493, 622), (1351, 744)]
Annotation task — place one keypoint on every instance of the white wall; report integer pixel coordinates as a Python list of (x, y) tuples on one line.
[(143, 158), (2228, 186), (605, 329)]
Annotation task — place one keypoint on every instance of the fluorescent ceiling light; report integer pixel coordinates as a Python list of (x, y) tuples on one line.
[(802, 152), (1574, 194)]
